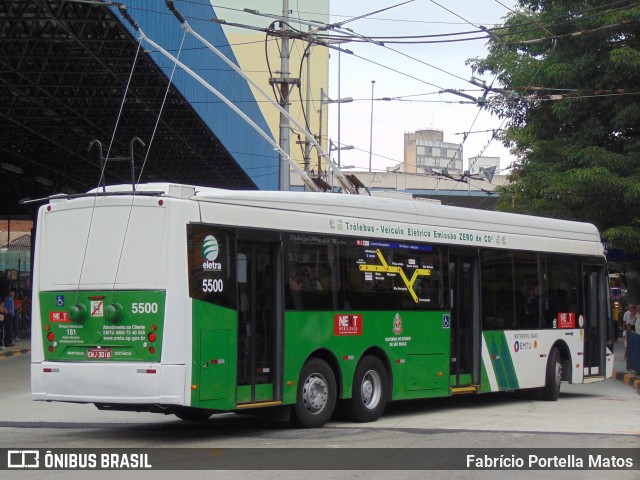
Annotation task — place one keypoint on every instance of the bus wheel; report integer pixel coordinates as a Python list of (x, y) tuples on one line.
[(369, 391), (316, 397), (551, 389), (192, 414)]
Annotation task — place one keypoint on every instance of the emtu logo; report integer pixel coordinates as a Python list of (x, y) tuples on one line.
[(210, 251)]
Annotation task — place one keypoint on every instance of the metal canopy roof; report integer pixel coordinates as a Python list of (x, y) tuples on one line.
[(64, 68)]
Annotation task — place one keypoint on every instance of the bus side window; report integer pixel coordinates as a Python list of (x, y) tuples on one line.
[(241, 269), (497, 290), (562, 297)]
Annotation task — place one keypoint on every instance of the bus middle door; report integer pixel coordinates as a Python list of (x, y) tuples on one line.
[(259, 280), (465, 323), (595, 321)]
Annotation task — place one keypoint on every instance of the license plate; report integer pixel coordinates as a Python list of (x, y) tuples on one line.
[(100, 353)]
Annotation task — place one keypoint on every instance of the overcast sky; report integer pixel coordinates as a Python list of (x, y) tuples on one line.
[(427, 108)]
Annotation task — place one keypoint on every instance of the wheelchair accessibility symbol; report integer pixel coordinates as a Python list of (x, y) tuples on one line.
[(446, 321), (60, 300)]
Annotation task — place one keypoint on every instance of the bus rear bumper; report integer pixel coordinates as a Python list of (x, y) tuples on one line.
[(112, 383)]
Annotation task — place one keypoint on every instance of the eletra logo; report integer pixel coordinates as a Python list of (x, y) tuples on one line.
[(210, 251), (210, 248)]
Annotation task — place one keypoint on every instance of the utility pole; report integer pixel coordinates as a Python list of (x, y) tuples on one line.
[(284, 81), (373, 82), (307, 144)]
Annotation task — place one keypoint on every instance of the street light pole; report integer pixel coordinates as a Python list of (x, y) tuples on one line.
[(339, 107), (325, 100), (373, 82), (333, 147)]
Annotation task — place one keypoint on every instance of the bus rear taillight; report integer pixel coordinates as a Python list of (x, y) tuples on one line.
[(51, 337), (152, 337)]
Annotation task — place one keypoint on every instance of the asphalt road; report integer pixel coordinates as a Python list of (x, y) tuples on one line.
[(600, 415)]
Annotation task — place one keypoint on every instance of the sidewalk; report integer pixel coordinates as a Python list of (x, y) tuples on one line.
[(620, 367), (23, 347)]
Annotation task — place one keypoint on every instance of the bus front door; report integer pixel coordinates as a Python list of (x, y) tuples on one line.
[(259, 314), (596, 308), (465, 329)]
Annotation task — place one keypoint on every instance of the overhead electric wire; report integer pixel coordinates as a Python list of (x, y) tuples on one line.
[(397, 71), (400, 72), (359, 17), (426, 63), (462, 18), (492, 31)]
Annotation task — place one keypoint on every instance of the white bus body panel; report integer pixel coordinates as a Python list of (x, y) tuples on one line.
[(529, 351), (109, 383), (114, 260), (397, 219)]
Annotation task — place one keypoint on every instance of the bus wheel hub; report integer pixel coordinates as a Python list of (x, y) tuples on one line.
[(314, 393)]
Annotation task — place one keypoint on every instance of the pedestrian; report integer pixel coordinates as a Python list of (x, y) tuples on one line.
[(17, 306), (8, 320), (630, 317), (25, 318), (4, 313), (627, 331), (629, 321)]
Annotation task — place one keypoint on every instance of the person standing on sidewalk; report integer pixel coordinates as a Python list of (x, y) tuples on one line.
[(17, 307), (628, 324), (630, 317), (8, 321), (4, 314)]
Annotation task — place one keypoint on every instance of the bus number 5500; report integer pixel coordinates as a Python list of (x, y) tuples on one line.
[(142, 307), (212, 285)]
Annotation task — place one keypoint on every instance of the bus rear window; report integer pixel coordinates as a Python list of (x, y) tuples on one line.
[(102, 245)]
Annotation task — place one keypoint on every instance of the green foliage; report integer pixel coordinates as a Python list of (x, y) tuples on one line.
[(572, 68)]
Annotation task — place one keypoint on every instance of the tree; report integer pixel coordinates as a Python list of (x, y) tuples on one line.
[(570, 98)]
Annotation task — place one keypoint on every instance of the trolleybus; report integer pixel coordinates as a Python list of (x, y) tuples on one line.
[(192, 301)]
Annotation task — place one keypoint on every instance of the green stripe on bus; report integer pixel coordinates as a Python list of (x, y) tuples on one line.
[(501, 360)]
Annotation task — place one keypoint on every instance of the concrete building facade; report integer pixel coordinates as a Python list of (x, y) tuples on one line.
[(425, 150)]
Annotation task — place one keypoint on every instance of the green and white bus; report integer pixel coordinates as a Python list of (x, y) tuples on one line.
[(192, 301)]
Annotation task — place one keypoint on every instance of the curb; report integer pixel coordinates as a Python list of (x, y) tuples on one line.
[(628, 378), (15, 353)]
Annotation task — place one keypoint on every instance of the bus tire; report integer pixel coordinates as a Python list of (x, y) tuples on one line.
[(369, 395), (316, 395), (551, 390), (193, 414)]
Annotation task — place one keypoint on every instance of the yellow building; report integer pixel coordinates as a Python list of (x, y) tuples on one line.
[(259, 56)]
